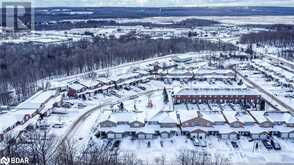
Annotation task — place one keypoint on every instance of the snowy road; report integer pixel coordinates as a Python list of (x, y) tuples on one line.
[(155, 59), (278, 103), (82, 120)]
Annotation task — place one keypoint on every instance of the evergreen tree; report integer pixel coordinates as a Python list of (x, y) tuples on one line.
[(121, 107), (84, 97), (165, 96)]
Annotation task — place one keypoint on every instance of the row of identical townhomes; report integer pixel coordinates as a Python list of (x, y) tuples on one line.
[(223, 124), (143, 125)]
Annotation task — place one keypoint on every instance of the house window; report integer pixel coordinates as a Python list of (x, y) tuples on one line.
[(136, 125)]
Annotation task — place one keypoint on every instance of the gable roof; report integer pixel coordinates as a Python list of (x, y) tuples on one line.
[(212, 116), (186, 115), (280, 117), (233, 116), (259, 116), (126, 117)]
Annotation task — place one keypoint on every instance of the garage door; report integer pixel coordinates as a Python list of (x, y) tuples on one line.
[(291, 135), (118, 136), (110, 135), (263, 136), (225, 136), (233, 136), (141, 136), (254, 136), (164, 135), (284, 135), (149, 136)]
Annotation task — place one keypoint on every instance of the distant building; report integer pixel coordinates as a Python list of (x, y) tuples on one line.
[(217, 96), (74, 89)]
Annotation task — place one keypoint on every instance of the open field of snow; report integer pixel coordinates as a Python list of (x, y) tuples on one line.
[(209, 98)]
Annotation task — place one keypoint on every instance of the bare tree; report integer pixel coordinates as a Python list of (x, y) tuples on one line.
[(66, 153), (194, 157), (38, 145)]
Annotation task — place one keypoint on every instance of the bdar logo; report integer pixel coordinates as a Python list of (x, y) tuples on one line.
[(14, 160), (4, 160)]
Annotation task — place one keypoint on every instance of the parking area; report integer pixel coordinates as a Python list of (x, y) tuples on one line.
[(243, 150), (275, 86)]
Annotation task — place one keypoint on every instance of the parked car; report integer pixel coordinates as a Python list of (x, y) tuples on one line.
[(116, 144), (203, 143), (195, 142), (80, 105), (141, 87), (107, 94), (58, 125), (275, 145), (267, 144), (44, 126), (67, 105), (234, 144), (127, 88)]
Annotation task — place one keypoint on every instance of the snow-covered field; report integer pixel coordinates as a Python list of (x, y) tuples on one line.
[(229, 30), (77, 119)]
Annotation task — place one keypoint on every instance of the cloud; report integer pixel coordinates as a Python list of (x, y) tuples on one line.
[(158, 3)]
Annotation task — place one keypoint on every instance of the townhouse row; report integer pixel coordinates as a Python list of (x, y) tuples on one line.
[(200, 124)]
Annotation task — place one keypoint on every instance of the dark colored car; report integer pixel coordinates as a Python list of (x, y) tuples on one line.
[(195, 142), (234, 144), (267, 144), (127, 88), (141, 87), (116, 144), (275, 145)]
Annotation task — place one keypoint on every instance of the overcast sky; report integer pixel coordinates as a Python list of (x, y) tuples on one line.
[(158, 3)]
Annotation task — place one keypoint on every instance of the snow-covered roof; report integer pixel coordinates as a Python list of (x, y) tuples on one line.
[(36, 100), (104, 116), (89, 83), (259, 116), (288, 75), (76, 86), (148, 129), (226, 129), (127, 117), (161, 117), (219, 91), (214, 72), (186, 115), (182, 59), (166, 117), (212, 116), (104, 80), (233, 116), (280, 117), (124, 76)]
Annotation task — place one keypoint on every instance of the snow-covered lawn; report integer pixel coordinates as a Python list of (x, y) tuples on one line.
[(170, 148)]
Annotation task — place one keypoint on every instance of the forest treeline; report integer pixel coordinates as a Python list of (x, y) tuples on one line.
[(40, 152), (67, 25), (281, 38), (21, 65)]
